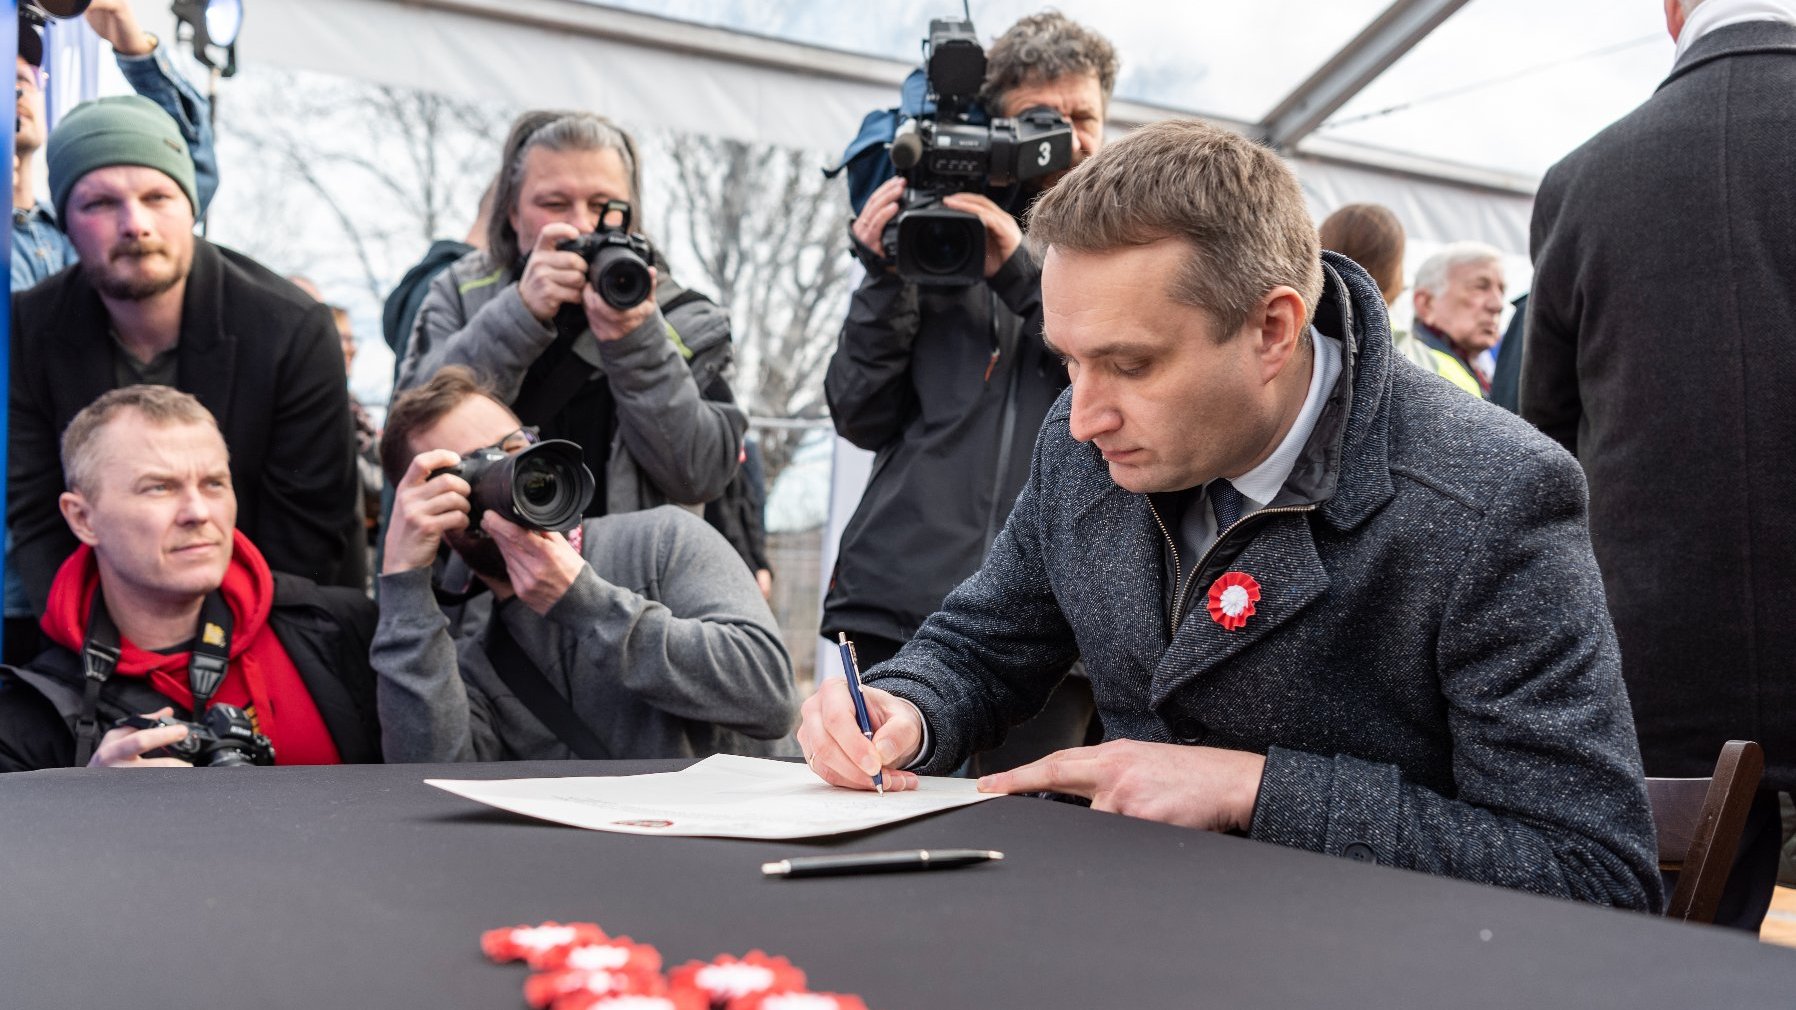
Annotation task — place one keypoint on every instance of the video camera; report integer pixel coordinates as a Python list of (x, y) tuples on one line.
[(224, 737), (955, 150), (617, 260), (545, 487)]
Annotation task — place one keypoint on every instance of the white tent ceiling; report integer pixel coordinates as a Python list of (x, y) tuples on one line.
[(730, 82)]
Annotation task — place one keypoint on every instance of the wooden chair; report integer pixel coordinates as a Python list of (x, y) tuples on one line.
[(1699, 822)]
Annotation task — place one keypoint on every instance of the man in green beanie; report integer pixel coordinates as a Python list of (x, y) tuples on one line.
[(151, 303), (39, 248)]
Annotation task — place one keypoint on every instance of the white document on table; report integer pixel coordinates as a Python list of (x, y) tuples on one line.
[(723, 796)]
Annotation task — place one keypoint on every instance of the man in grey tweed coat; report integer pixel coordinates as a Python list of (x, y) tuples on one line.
[(1397, 649)]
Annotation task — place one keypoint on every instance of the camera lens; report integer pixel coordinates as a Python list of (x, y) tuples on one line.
[(944, 247), (545, 487), (539, 488), (228, 756), (620, 277)]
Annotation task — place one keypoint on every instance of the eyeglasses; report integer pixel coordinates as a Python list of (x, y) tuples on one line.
[(515, 442)]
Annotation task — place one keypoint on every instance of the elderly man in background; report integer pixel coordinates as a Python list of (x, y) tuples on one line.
[(1459, 306), (1370, 234)]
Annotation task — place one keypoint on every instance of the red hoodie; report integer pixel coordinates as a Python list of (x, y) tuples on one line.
[(261, 678)]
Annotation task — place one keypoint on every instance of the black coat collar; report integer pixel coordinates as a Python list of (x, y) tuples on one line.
[(1734, 40)]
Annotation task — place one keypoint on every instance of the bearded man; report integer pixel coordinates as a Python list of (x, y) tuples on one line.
[(151, 303)]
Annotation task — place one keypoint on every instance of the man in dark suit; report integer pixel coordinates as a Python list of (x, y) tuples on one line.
[(150, 303), (1660, 352), (1324, 600)]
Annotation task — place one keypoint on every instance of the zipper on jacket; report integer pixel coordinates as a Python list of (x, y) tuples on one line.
[(1184, 585), (1178, 580)]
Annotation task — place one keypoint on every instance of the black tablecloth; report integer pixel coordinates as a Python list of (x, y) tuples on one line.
[(363, 887)]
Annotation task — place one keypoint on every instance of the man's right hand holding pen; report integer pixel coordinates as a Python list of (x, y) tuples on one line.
[(835, 749)]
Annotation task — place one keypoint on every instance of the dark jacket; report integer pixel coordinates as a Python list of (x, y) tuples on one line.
[(1660, 352), (741, 513), (325, 630), (264, 359), (1429, 670), (400, 311), (947, 386)]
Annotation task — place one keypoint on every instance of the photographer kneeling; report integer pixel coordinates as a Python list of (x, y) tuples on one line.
[(174, 615), (633, 370), (634, 636)]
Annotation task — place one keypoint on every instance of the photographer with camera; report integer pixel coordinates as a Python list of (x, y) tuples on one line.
[(167, 613), (575, 323), (948, 383), (638, 635)]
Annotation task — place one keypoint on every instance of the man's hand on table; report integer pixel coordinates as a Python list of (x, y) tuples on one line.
[(1197, 787), (835, 749)]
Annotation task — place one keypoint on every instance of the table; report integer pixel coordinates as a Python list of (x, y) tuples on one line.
[(363, 887)]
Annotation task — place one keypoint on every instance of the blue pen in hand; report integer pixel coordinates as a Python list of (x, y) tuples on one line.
[(851, 672)]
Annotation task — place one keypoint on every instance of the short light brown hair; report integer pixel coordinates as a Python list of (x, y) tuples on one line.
[(421, 407), (1370, 235), (1044, 47), (158, 405), (1233, 202)]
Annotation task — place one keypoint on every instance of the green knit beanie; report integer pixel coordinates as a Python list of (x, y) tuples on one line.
[(123, 130)]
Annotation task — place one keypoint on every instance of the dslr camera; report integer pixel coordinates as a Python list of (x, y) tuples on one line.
[(955, 150), (545, 487), (223, 738), (617, 260)]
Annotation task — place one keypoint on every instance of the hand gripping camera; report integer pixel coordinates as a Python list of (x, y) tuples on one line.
[(617, 260), (956, 151), (223, 738), (544, 487)]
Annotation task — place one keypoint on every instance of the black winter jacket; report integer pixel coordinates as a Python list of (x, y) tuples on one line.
[(261, 355), (325, 630), (948, 387)]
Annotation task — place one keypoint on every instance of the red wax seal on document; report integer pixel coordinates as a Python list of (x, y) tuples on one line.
[(1232, 598)]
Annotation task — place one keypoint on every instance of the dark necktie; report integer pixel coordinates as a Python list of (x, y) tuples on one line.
[(1225, 501)]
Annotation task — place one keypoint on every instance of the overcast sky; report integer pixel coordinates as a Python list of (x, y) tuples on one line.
[(1237, 58)]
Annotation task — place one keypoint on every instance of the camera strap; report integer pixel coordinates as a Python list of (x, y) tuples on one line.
[(528, 685), (207, 663)]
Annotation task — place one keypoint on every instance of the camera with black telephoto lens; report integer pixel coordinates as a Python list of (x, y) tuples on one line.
[(955, 150), (617, 260), (544, 487), (223, 738)]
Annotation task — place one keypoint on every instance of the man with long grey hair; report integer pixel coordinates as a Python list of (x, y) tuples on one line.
[(641, 389)]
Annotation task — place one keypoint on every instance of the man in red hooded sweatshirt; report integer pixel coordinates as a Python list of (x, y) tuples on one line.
[(164, 591)]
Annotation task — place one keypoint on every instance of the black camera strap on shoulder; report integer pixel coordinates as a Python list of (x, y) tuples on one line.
[(207, 663), (527, 683)]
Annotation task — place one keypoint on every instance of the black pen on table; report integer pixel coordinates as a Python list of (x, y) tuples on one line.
[(877, 862), (851, 672)]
